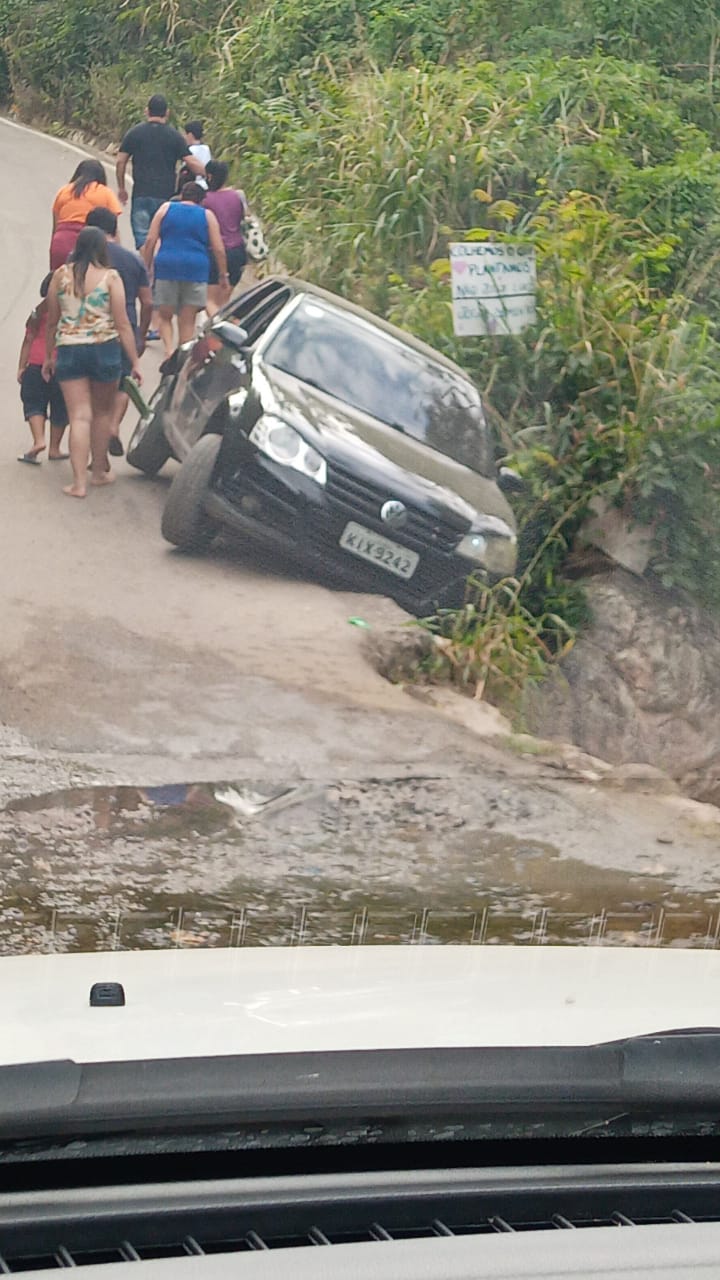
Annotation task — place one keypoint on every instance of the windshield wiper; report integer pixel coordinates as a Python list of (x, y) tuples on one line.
[(674, 1072)]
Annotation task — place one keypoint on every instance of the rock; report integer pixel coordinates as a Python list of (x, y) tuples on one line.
[(640, 777), (562, 756), (582, 763), (397, 651), (698, 814), (625, 542), (472, 713), (526, 745), (640, 686)]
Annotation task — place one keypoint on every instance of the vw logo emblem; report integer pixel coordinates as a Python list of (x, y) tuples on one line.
[(393, 513)]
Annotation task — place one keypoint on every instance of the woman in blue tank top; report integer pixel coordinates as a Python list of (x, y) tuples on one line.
[(187, 234)]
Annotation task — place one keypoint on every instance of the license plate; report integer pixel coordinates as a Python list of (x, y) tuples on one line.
[(381, 551)]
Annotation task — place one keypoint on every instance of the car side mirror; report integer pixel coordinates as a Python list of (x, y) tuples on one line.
[(231, 335), (509, 481)]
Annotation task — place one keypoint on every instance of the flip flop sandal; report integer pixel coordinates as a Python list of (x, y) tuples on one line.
[(30, 458), (58, 457)]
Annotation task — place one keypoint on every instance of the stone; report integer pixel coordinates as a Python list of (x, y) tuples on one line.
[(640, 686), (472, 713), (694, 811), (397, 651), (645, 778), (627, 543)]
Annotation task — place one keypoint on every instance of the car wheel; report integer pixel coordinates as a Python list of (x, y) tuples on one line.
[(184, 521), (148, 449)]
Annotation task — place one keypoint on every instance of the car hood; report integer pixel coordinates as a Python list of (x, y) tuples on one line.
[(267, 1000), (352, 439)]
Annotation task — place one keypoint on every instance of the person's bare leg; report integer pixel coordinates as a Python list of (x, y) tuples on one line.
[(122, 400), (214, 299), (103, 396), (79, 406), (165, 325), (37, 427), (56, 438), (186, 324)]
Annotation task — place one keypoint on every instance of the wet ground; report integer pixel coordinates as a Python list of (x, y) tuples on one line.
[(405, 860), (122, 661)]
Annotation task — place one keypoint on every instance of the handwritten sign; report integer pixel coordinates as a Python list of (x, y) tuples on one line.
[(493, 288)]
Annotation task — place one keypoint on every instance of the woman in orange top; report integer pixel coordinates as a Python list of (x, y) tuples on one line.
[(86, 190)]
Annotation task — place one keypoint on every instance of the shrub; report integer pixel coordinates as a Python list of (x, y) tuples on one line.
[(493, 646)]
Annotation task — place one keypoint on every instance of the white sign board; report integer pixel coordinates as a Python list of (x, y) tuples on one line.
[(493, 287)]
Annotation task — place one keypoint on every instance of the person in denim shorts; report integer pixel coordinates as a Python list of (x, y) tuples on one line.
[(133, 273), (87, 328)]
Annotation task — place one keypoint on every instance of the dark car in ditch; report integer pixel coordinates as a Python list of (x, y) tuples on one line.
[(306, 422)]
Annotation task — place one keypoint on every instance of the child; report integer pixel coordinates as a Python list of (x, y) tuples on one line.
[(194, 130), (38, 395)]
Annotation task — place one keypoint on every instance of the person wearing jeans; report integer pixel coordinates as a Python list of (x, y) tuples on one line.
[(142, 212), (156, 150)]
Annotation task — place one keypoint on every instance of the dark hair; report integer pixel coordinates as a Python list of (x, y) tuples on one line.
[(195, 127), (216, 172), (45, 285), (90, 250), (193, 192), (157, 105), (87, 172), (105, 219)]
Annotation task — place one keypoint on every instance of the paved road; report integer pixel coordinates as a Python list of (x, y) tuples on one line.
[(113, 646)]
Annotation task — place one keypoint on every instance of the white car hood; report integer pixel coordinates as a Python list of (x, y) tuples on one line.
[(264, 1000)]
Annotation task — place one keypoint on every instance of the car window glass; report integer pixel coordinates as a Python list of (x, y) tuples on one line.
[(255, 322), (240, 307), (255, 309), (372, 371)]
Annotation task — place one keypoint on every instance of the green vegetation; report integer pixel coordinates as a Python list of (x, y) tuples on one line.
[(494, 646), (371, 133)]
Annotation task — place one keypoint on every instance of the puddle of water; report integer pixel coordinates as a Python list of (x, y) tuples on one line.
[(236, 864)]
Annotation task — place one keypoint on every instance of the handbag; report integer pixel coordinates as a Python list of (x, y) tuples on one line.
[(255, 243)]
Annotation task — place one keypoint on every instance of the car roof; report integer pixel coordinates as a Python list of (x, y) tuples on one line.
[(303, 286)]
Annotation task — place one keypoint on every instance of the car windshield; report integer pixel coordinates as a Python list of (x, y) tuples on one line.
[(369, 369), (359, 500)]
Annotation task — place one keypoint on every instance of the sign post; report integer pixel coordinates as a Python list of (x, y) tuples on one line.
[(493, 288)]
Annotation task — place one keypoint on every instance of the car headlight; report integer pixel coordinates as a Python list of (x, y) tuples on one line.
[(281, 442), (492, 544)]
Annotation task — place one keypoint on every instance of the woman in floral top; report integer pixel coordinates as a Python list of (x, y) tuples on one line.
[(87, 326)]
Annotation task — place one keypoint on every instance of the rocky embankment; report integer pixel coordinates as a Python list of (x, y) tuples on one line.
[(636, 701), (642, 684)]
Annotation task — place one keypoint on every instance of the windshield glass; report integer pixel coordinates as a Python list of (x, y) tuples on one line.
[(367, 369)]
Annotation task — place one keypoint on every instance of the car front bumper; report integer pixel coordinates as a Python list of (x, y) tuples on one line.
[(289, 511)]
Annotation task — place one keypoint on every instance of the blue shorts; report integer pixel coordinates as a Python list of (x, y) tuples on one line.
[(98, 361), (39, 396)]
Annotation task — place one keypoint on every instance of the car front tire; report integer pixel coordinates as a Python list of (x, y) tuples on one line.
[(148, 449), (184, 520)]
